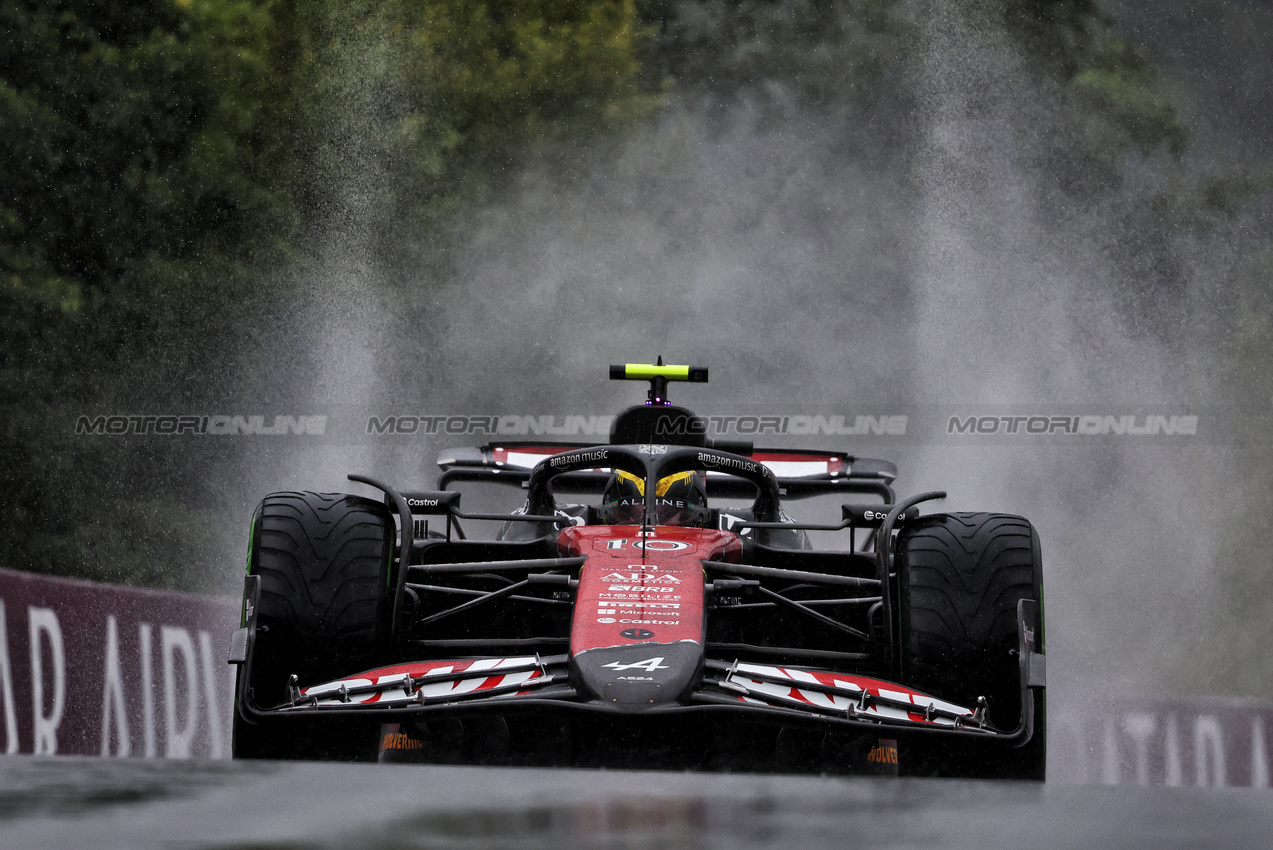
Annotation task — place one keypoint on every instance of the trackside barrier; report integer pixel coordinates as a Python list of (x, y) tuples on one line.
[(101, 670), (1205, 741), (95, 669)]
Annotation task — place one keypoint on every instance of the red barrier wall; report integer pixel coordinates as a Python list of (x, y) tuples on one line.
[(93, 669)]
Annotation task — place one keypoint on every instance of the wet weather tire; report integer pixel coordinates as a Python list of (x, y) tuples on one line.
[(960, 577), (324, 611)]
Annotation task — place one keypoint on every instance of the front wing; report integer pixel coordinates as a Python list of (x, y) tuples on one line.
[(532, 683)]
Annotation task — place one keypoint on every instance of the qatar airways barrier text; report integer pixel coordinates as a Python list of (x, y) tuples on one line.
[(94, 669)]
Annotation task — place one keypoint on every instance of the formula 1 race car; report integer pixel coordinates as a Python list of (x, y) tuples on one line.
[(626, 615)]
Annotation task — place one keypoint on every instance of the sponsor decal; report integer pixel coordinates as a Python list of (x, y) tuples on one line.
[(635, 591), (726, 462), (96, 670), (445, 680), (400, 741), (636, 634), (649, 665), (1203, 741), (678, 504), (627, 605), (647, 544), (885, 753), (649, 578), (852, 688), (588, 456), (661, 545), (871, 515)]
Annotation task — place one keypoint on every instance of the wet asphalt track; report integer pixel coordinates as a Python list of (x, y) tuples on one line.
[(92, 803)]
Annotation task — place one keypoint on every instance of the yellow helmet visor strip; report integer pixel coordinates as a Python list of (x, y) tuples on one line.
[(660, 489)]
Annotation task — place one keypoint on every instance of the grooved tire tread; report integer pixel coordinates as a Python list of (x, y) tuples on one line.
[(325, 604), (961, 577), (321, 560)]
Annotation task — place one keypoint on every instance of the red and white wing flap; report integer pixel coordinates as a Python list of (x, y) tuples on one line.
[(782, 684), (402, 683)]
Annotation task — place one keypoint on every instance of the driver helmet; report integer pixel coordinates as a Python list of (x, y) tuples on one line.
[(679, 499)]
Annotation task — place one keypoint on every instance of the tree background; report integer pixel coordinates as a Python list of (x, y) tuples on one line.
[(442, 206)]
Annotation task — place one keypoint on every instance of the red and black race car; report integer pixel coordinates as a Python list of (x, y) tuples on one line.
[(650, 605)]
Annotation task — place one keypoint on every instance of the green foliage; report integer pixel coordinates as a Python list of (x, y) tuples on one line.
[(527, 67), (124, 140), (134, 180), (165, 159), (868, 55), (444, 95), (145, 543), (1114, 105), (821, 50), (1149, 120)]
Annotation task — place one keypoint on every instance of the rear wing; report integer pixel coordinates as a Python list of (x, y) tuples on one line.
[(800, 473)]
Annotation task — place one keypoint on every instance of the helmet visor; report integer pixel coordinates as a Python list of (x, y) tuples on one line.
[(623, 512), (667, 514)]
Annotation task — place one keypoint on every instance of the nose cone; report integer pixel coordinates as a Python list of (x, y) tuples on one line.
[(636, 637), (640, 675)]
